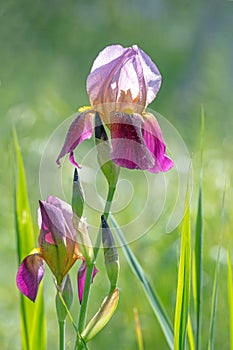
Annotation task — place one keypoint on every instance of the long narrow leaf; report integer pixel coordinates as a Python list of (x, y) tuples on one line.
[(215, 286), (230, 299), (151, 294), (197, 265), (183, 285), (31, 315)]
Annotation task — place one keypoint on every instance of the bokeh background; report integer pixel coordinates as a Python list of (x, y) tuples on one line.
[(46, 51)]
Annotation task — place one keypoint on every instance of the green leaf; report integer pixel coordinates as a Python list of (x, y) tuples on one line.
[(215, 285), (102, 317), (197, 265), (33, 332), (151, 294), (183, 285), (230, 299), (138, 330)]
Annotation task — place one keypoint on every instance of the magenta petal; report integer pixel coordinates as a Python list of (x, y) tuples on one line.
[(80, 130), (154, 141), (82, 277), (128, 147), (29, 275)]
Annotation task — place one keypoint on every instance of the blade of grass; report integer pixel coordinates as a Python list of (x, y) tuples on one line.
[(183, 284), (138, 330), (197, 265), (215, 286), (190, 334), (32, 318), (151, 294), (230, 300)]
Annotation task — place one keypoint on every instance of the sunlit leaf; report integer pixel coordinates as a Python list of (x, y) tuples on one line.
[(32, 318), (230, 300), (150, 293), (183, 284)]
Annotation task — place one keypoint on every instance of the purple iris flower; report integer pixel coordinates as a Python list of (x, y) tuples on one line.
[(122, 82), (57, 247)]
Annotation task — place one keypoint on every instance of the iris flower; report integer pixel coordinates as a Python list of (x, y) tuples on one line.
[(122, 82), (57, 247)]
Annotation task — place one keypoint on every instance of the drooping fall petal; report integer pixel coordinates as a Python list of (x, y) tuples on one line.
[(80, 130), (128, 147), (29, 275), (152, 135)]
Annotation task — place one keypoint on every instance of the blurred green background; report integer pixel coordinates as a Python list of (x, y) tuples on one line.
[(46, 51)]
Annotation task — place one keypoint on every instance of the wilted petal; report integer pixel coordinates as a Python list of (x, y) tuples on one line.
[(29, 275), (154, 141), (82, 278), (80, 130), (128, 147)]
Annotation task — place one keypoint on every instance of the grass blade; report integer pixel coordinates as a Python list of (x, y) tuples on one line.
[(138, 330), (197, 265), (31, 315), (151, 294), (190, 335), (215, 286), (183, 285), (230, 299)]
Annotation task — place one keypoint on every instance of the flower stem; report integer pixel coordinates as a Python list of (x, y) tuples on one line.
[(90, 268), (62, 335)]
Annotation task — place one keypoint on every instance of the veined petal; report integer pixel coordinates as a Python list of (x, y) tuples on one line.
[(154, 141), (67, 213), (82, 278), (151, 75), (107, 55), (81, 129), (29, 275), (128, 147)]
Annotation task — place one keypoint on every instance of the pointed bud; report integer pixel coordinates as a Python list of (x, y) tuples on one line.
[(77, 196), (102, 317), (67, 295), (110, 254), (108, 167)]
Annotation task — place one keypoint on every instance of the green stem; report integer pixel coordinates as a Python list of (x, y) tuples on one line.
[(90, 268), (62, 335)]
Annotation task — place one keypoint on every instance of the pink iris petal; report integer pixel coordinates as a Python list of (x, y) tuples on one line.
[(52, 224), (29, 275), (67, 214), (151, 74), (82, 277), (154, 141), (128, 147), (80, 130), (119, 72)]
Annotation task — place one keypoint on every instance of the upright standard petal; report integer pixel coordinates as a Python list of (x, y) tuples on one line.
[(29, 275), (152, 135), (57, 247), (128, 146), (81, 129), (124, 76)]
